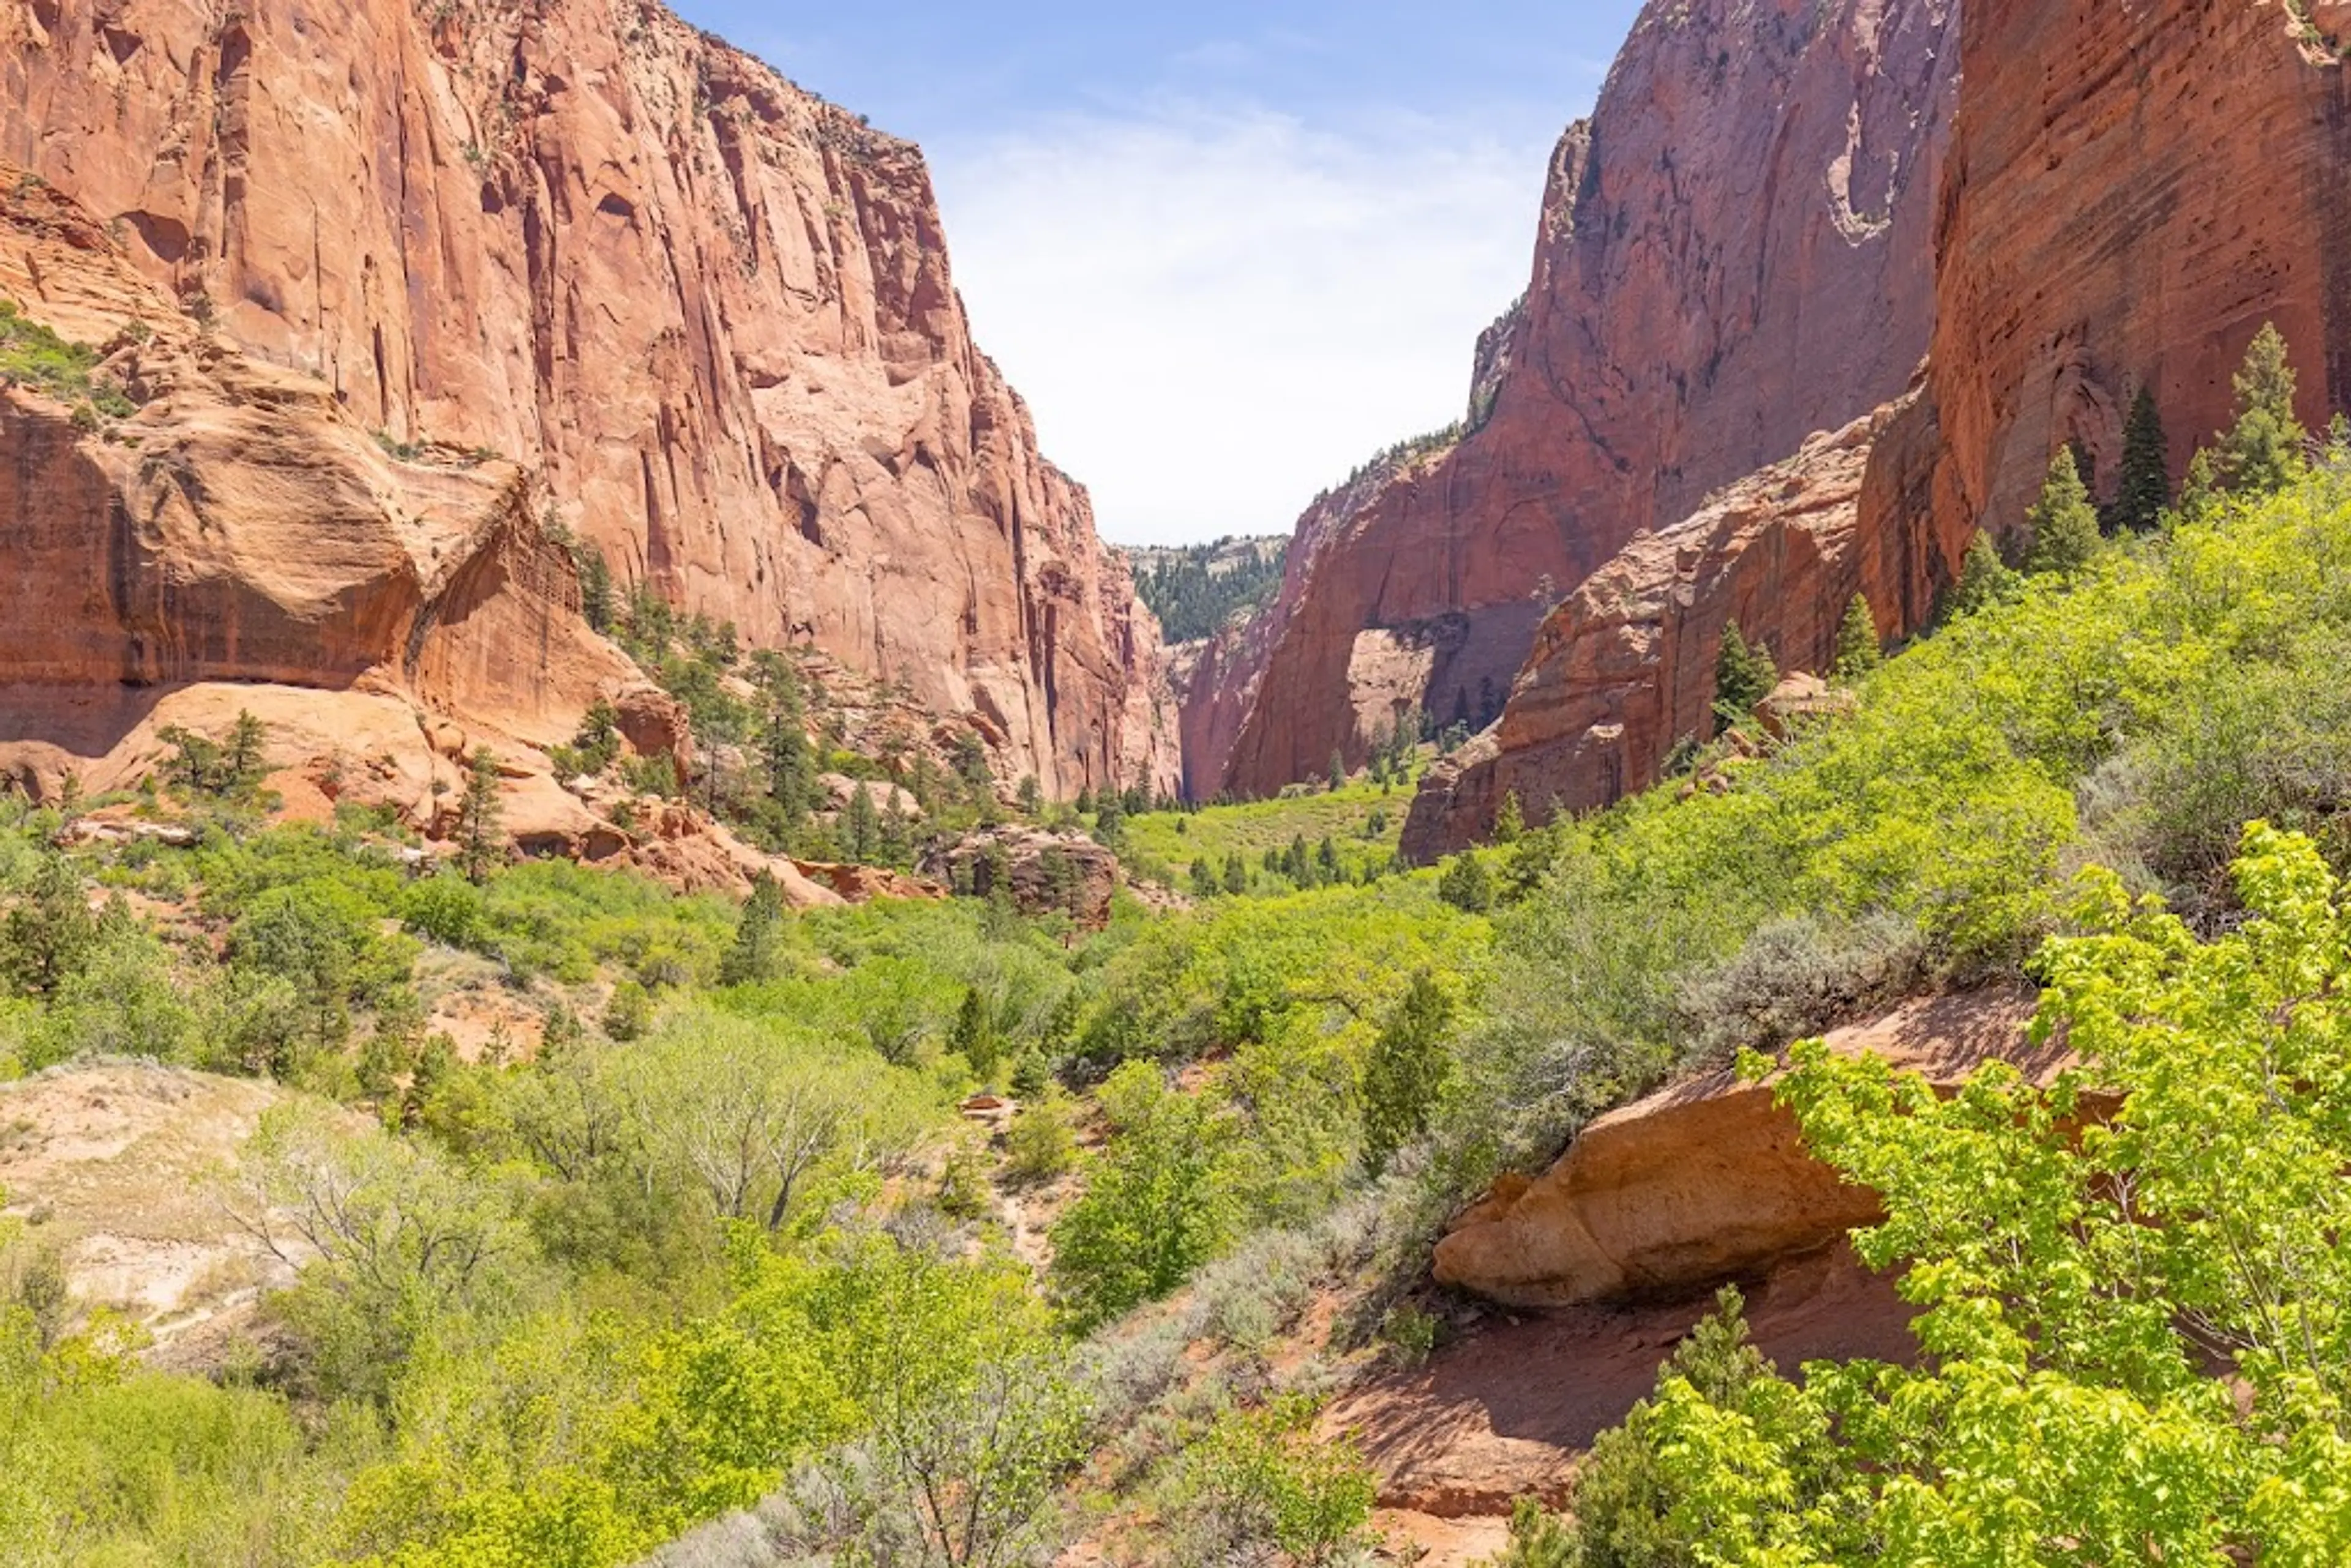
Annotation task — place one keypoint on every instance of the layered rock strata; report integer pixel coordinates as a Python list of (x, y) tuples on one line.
[(1734, 252), (714, 312)]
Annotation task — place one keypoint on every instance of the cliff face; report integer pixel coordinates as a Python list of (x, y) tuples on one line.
[(1624, 670), (715, 311), (1734, 253), (2132, 192)]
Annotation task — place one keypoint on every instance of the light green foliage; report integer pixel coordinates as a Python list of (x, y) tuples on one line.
[(1042, 1143), (1985, 579), (1260, 1478), (1222, 835), (2062, 522), (1857, 649), (2075, 1286), (33, 356), (2261, 453), (1155, 1206), (1407, 1071)]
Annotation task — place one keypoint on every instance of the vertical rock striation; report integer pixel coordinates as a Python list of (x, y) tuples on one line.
[(715, 311), (1733, 254)]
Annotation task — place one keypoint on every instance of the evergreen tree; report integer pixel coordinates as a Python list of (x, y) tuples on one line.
[(1743, 676), (2147, 472), (480, 844), (595, 585), (1857, 650), (1085, 801), (1236, 875), (1109, 818), (246, 757), (1465, 883), (1031, 796), (860, 827), (974, 1036), (1985, 579), (47, 937), (1338, 772), (2199, 491), (1326, 861), (2263, 453), (758, 951), (1204, 878), (1510, 822), (1294, 864), (1406, 1073), (2065, 525)]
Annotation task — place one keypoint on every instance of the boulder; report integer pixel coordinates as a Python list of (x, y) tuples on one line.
[(1041, 872), (1709, 1180)]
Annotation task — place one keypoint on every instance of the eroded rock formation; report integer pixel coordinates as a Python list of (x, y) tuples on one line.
[(1709, 1180), (1734, 253), (579, 236), (1624, 672)]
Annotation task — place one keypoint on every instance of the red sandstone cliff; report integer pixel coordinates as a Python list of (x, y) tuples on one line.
[(2133, 190), (2130, 195), (714, 312), (1733, 254)]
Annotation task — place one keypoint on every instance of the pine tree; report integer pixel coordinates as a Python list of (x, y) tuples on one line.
[(1338, 772), (2065, 525), (1985, 579), (758, 951), (1406, 1073), (595, 586), (47, 937), (1465, 885), (1236, 875), (479, 844), (2147, 471), (1204, 878), (2199, 491), (247, 755), (974, 1036), (1510, 822), (861, 827), (1857, 650), (1031, 796), (1109, 818), (2263, 454), (1743, 676)]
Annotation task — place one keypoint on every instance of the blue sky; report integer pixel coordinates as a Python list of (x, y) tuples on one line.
[(1227, 251)]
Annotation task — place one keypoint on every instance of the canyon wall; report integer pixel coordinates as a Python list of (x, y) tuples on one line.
[(2129, 195), (2133, 190), (1733, 254), (577, 236)]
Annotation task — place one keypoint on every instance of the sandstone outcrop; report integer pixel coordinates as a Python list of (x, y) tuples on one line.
[(2133, 190), (1042, 872), (1734, 253), (1708, 1180), (1624, 671), (581, 240)]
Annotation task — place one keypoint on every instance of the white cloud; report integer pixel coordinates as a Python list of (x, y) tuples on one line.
[(1217, 313)]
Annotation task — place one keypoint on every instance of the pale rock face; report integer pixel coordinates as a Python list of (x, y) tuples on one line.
[(1734, 253), (715, 311)]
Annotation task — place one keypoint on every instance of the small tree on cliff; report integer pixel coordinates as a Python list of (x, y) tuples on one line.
[(1744, 675), (2064, 524), (2146, 473), (1406, 1073), (1858, 650), (480, 844), (2263, 453)]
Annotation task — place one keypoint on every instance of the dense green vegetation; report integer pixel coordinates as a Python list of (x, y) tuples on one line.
[(1194, 590), (31, 355), (714, 1237)]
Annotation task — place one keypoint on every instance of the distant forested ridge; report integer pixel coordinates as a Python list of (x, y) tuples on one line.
[(1195, 589)]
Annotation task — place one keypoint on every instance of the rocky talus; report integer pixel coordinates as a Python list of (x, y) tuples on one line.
[(1735, 251), (581, 238)]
